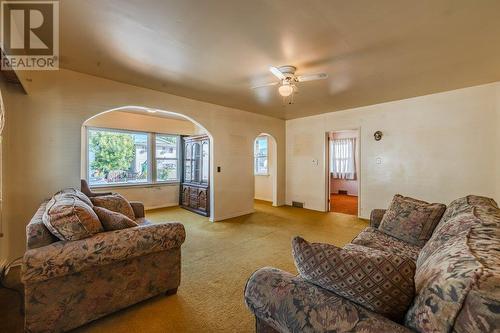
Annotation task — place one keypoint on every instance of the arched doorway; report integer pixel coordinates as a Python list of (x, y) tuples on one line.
[(149, 178), (265, 168)]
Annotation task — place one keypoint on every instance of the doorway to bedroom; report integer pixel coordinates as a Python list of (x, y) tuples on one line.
[(343, 171)]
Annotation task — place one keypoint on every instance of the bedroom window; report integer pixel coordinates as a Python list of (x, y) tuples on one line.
[(120, 157), (261, 156), (343, 164)]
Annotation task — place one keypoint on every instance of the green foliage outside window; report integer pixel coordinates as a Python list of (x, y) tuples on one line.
[(167, 172), (113, 152)]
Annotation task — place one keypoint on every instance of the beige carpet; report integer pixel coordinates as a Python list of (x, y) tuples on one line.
[(217, 260)]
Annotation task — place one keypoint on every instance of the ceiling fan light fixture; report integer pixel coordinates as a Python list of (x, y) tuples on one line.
[(285, 90)]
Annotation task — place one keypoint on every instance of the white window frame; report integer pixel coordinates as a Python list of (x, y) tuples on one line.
[(151, 158), (178, 159), (255, 157)]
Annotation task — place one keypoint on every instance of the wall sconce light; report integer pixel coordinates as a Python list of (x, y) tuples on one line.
[(377, 135)]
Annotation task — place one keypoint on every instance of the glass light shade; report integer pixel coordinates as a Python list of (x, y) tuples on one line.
[(285, 90)]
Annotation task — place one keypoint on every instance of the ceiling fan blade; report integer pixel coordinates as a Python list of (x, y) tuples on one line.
[(265, 85), (276, 72), (312, 77)]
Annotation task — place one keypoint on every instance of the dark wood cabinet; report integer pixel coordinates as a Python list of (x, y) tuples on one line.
[(195, 187)]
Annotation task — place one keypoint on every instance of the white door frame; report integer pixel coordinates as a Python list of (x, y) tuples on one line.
[(327, 166)]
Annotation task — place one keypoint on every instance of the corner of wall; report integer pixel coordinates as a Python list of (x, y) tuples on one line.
[(497, 140)]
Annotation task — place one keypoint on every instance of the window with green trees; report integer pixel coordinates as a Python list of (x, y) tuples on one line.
[(117, 157)]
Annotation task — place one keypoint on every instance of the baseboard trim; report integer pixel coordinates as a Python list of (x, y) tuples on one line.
[(230, 216), (264, 199), (161, 206)]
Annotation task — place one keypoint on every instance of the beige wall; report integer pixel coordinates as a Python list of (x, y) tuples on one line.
[(153, 196), (437, 148), (42, 143), (264, 183), (140, 122)]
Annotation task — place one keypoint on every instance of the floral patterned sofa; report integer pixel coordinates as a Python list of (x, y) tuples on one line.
[(70, 283), (457, 282)]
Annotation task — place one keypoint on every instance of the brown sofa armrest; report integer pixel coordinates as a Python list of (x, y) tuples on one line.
[(68, 257), (376, 217), (138, 208)]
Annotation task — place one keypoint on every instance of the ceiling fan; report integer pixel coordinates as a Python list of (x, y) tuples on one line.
[(288, 79)]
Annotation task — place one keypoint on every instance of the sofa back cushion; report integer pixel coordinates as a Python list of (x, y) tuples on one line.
[(70, 218), (456, 270), (411, 220), (116, 203)]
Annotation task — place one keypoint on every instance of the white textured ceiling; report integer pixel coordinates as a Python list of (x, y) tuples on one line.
[(214, 51)]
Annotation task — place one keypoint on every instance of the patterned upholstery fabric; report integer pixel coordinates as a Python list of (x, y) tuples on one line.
[(288, 303), (411, 220), (112, 220), (376, 217), (380, 281), (69, 218), (457, 283), (116, 203), (73, 193), (373, 238), (262, 327), (62, 258), (458, 275), (69, 283), (138, 208), (458, 217), (37, 234), (63, 303)]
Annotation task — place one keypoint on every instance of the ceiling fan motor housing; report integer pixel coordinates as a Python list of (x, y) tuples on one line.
[(288, 71)]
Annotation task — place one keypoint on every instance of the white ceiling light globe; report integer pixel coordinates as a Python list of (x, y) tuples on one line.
[(285, 90)]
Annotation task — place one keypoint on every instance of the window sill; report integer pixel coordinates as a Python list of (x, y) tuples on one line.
[(262, 174), (141, 185)]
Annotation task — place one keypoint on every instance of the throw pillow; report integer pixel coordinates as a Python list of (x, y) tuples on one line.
[(411, 220), (112, 220), (379, 281), (72, 192), (69, 218), (116, 203)]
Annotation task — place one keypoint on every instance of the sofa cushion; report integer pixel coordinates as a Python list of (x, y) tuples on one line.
[(377, 280), (457, 274), (116, 203), (411, 220), (374, 238), (73, 193), (69, 218), (459, 216), (288, 303), (112, 220)]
